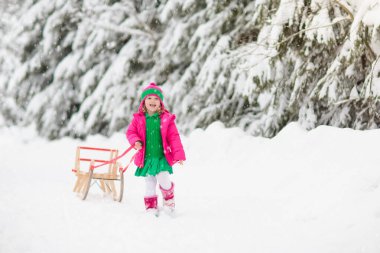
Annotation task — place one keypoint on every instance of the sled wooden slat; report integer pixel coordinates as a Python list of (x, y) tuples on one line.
[(105, 176), (110, 182)]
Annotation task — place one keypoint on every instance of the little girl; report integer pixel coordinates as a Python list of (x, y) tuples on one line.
[(154, 134)]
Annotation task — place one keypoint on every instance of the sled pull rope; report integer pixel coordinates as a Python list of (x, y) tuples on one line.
[(126, 167), (116, 158)]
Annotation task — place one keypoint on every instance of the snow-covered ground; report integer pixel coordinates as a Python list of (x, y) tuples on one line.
[(300, 192)]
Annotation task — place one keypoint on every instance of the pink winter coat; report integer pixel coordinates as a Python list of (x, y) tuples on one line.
[(171, 141)]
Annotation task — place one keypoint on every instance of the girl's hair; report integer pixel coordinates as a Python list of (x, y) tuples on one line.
[(160, 111)]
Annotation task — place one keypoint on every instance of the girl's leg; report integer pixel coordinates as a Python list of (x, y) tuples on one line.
[(167, 189), (150, 186), (150, 198), (163, 179)]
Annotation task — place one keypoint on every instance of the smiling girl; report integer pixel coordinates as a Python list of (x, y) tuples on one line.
[(154, 134)]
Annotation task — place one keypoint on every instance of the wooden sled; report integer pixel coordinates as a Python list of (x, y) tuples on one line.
[(111, 181)]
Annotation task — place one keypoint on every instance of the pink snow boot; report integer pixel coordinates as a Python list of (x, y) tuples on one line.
[(168, 196), (151, 202)]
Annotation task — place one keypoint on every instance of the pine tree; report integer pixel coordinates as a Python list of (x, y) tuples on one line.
[(77, 67)]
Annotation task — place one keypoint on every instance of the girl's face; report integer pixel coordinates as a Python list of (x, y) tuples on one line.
[(152, 104)]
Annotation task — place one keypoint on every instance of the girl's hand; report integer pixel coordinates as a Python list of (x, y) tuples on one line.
[(138, 145)]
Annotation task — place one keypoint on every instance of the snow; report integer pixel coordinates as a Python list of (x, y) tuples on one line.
[(315, 191)]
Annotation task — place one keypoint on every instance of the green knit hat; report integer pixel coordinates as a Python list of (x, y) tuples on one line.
[(152, 89)]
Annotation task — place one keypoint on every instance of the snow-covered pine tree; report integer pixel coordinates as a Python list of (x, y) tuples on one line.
[(79, 65), (9, 10), (301, 60)]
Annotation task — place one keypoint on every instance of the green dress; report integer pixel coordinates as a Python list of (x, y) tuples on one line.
[(154, 161)]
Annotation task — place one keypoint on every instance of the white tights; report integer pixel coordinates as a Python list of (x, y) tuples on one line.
[(151, 183)]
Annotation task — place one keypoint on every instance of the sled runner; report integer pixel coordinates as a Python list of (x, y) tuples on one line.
[(110, 178)]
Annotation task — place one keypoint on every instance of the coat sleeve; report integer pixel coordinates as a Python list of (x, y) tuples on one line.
[(132, 133), (174, 141)]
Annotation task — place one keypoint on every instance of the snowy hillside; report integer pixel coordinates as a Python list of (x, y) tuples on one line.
[(74, 68), (299, 192)]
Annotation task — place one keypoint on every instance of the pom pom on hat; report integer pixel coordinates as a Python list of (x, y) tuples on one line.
[(152, 89)]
